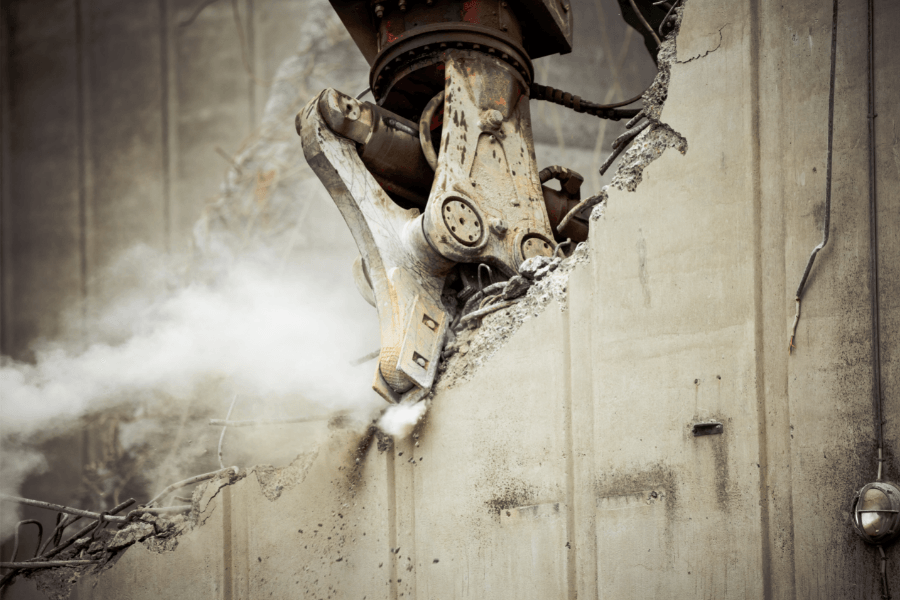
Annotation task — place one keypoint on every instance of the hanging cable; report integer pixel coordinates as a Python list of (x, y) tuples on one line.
[(827, 225), (873, 252), (603, 111)]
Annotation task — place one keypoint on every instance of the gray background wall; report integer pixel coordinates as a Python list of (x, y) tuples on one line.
[(120, 118)]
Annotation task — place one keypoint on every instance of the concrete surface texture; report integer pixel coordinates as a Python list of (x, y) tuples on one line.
[(564, 465)]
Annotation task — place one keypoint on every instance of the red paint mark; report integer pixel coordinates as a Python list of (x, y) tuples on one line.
[(391, 38), (471, 11), (440, 67), (501, 102), (437, 120)]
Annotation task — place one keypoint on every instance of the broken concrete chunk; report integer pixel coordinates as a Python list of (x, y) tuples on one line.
[(515, 287), (131, 534), (532, 265), (101, 538), (545, 270)]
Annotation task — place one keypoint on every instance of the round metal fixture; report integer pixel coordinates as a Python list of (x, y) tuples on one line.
[(876, 512), (536, 246), (462, 221)]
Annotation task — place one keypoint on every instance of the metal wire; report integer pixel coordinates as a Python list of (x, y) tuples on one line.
[(490, 276), (185, 482), (255, 422), (41, 560), (878, 401), (224, 427), (47, 564), (559, 246), (485, 311), (668, 14), (644, 22), (62, 521), (59, 508), (827, 225), (40, 527), (620, 144)]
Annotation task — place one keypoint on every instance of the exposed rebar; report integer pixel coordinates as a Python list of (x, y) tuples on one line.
[(59, 508), (37, 548), (224, 427), (84, 530), (620, 144), (47, 564), (186, 482), (255, 422), (485, 311), (644, 22)]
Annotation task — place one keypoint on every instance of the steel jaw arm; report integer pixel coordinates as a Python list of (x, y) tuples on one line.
[(406, 274)]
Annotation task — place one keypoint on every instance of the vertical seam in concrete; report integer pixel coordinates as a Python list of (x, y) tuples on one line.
[(170, 111), (392, 517), (572, 550), (5, 202), (411, 512), (251, 62), (81, 128), (758, 339), (164, 121), (227, 567)]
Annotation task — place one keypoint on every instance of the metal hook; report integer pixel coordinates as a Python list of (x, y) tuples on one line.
[(560, 245), (490, 276)]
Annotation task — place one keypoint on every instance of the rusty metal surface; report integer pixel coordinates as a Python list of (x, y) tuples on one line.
[(462, 71), (564, 205), (375, 25), (486, 166), (406, 274), (388, 146)]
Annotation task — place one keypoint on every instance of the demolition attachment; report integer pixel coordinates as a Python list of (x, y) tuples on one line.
[(439, 177)]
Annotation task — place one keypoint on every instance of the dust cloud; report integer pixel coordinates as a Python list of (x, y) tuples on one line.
[(280, 337)]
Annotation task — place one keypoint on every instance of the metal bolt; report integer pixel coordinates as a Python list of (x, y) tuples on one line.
[(430, 324), (493, 118), (379, 10), (420, 361), (403, 5)]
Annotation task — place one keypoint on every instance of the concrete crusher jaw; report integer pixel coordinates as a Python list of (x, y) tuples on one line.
[(419, 207)]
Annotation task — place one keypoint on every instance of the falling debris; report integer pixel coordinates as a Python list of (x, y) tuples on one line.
[(399, 420)]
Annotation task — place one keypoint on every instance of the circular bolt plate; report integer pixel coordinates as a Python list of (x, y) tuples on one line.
[(462, 222), (535, 246)]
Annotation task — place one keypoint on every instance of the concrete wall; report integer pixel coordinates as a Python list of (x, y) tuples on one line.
[(565, 466)]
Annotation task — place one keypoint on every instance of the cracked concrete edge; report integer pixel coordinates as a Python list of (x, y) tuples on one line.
[(205, 493), (478, 346), (273, 481)]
